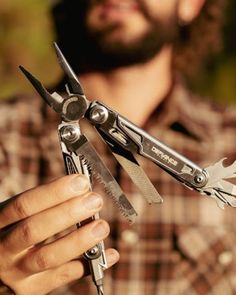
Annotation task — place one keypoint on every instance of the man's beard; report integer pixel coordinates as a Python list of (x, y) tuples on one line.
[(94, 50), (107, 55)]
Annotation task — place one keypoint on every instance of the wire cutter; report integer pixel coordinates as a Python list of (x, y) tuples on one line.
[(124, 140)]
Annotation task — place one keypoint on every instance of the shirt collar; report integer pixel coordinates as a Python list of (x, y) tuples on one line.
[(187, 113)]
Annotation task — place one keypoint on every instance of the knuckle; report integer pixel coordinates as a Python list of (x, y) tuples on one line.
[(67, 210), (63, 276), (20, 207), (28, 233), (42, 261), (55, 191)]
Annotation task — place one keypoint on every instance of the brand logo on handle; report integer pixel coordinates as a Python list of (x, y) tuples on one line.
[(164, 157)]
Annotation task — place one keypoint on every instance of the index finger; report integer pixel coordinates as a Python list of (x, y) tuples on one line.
[(42, 197)]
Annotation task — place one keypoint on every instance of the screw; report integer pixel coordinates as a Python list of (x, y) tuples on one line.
[(94, 250), (93, 253), (70, 133), (99, 114), (199, 178)]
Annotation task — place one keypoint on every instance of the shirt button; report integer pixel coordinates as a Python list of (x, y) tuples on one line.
[(225, 258), (130, 237)]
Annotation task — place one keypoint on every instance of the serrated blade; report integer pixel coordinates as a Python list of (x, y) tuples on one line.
[(85, 150)]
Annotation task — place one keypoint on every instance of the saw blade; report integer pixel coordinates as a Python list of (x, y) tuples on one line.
[(98, 169)]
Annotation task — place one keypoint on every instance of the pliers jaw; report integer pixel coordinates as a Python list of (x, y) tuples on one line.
[(53, 101), (75, 85), (74, 106), (71, 108)]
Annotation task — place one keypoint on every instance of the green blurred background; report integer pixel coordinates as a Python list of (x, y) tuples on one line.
[(26, 36)]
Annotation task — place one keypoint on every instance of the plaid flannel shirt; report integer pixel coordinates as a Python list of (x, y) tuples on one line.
[(187, 245)]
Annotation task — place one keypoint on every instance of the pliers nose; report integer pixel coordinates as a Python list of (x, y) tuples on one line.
[(54, 100), (72, 77)]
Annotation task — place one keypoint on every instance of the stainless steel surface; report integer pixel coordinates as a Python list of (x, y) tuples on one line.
[(73, 78), (98, 114), (219, 186), (140, 179), (74, 164), (100, 171), (70, 133), (100, 290)]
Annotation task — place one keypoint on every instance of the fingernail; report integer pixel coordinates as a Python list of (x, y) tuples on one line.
[(79, 184), (92, 201), (100, 230)]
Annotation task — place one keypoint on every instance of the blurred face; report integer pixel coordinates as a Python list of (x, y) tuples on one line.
[(131, 30), (129, 20), (113, 33)]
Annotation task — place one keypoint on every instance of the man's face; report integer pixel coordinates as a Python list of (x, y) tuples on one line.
[(131, 29), (115, 33), (127, 21)]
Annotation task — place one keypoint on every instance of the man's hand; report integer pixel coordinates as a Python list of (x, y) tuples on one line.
[(29, 266)]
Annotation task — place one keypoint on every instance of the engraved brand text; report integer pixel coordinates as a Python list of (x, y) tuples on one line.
[(164, 156)]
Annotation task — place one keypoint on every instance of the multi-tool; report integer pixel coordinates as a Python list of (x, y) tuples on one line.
[(124, 139)]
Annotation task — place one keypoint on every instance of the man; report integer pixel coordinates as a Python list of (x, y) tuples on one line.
[(127, 57)]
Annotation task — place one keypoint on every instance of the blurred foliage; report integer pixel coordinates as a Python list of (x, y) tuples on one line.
[(218, 78), (26, 36)]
